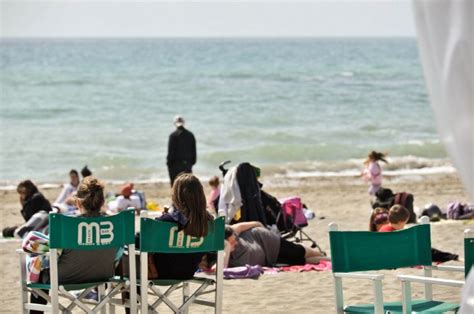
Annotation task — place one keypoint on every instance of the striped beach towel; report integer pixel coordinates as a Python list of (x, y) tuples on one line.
[(36, 245)]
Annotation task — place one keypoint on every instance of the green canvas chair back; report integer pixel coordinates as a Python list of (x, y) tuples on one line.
[(92, 233), (363, 250), (164, 237), (468, 250)]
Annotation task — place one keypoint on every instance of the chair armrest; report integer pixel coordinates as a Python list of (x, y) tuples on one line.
[(430, 280), (360, 276), (446, 268), (21, 252)]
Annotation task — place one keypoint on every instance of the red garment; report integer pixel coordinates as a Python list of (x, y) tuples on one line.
[(387, 228)]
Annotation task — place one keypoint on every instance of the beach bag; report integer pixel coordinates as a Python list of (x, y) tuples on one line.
[(433, 212), (457, 211), (293, 208), (406, 200)]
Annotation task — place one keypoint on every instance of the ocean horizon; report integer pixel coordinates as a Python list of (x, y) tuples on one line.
[(292, 106)]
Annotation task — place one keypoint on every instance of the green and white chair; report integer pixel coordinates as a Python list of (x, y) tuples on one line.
[(81, 233), (354, 253), (468, 250), (441, 307), (163, 237)]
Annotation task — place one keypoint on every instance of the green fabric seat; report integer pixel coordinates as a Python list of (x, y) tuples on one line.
[(68, 287), (418, 306), (164, 237)]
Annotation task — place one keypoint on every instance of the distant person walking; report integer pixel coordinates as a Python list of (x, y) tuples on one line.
[(181, 150), (373, 172)]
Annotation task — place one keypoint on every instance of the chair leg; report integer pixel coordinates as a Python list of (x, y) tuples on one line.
[(101, 294), (110, 307), (428, 287), (185, 295), (406, 297), (24, 290), (339, 295), (378, 297)]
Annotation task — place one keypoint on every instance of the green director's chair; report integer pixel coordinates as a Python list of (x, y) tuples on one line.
[(81, 233), (406, 280), (163, 237), (354, 253)]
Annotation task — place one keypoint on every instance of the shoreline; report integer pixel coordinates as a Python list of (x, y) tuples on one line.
[(399, 167)]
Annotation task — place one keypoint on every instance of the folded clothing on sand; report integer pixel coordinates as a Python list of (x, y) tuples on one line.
[(241, 272)]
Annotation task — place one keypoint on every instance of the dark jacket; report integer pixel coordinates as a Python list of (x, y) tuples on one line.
[(34, 204), (252, 207), (181, 148)]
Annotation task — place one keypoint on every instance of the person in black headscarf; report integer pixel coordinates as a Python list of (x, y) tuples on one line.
[(181, 150), (252, 207)]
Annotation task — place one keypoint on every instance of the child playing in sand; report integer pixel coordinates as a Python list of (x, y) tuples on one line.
[(215, 192), (373, 172), (397, 219)]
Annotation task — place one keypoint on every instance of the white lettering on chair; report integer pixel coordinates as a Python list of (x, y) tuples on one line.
[(177, 239), (103, 233), (108, 232)]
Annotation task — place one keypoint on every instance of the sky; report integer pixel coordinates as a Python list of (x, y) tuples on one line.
[(225, 18)]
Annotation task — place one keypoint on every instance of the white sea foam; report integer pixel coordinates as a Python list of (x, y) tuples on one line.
[(347, 74)]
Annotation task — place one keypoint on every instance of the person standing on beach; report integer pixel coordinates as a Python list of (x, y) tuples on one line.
[(373, 172), (181, 150)]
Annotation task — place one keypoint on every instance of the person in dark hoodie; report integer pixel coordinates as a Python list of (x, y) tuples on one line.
[(32, 202), (181, 150)]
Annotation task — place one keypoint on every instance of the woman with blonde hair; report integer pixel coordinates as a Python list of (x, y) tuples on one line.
[(81, 266)]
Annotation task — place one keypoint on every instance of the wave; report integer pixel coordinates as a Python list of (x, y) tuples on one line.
[(397, 166), (346, 74)]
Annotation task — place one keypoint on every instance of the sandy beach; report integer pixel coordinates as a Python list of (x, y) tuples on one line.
[(343, 200)]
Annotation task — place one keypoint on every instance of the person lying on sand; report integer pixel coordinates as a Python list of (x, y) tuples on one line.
[(250, 243)]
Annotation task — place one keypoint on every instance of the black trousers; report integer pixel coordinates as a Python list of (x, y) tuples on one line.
[(175, 170)]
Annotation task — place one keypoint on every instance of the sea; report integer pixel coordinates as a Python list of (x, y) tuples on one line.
[(292, 106)]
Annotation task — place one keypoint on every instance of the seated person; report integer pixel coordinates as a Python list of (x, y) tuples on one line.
[(249, 243), (85, 172), (378, 218), (65, 201), (79, 266), (397, 219), (188, 212), (127, 199), (32, 202)]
